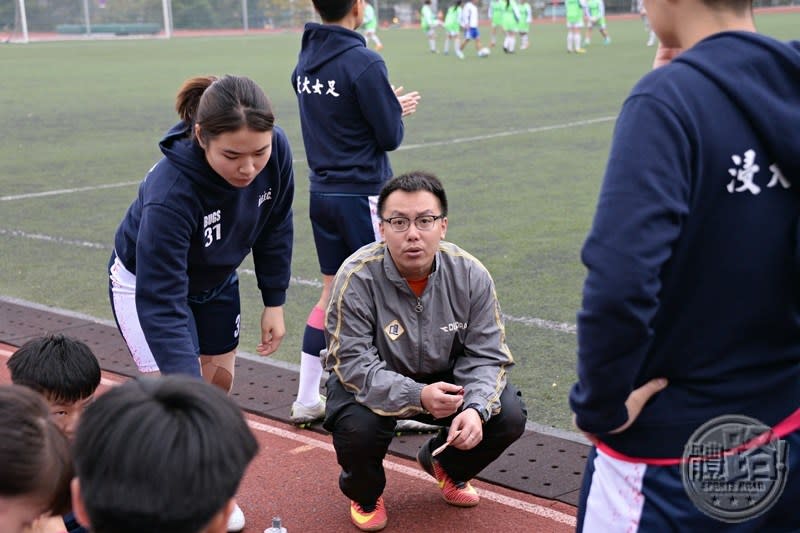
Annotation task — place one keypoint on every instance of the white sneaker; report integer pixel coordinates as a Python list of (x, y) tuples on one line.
[(236, 520), (301, 414), (459, 54), (409, 425)]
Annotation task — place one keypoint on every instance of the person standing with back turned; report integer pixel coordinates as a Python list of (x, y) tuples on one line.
[(691, 304), (350, 116)]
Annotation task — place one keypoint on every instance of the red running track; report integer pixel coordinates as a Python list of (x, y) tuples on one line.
[(295, 476)]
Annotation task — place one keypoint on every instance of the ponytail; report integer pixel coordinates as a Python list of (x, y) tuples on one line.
[(223, 105), (188, 98)]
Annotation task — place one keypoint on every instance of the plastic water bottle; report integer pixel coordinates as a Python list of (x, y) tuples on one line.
[(276, 526)]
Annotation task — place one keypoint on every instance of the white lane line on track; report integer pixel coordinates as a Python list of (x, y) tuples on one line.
[(531, 508), (448, 142), (563, 327), (310, 442)]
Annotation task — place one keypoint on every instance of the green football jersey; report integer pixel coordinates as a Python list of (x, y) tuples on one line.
[(426, 17), (370, 21)]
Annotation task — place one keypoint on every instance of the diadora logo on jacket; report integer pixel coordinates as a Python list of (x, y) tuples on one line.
[(394, 330), (264, 196), (454, 326)]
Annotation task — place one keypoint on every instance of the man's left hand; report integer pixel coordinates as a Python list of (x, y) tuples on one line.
[(469, 424)]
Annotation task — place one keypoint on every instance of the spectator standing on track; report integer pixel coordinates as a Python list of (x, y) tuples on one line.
[(388, 298), (35, 462), (350, 117), (161, 455), (223, 189), (66, 373), (691, 305)]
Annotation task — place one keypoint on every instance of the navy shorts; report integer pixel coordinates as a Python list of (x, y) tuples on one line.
[(342, 223), (214, 320), (217, 317)]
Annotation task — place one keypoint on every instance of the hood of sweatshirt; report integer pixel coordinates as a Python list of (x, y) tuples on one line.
[(762, 76), (323, 42)]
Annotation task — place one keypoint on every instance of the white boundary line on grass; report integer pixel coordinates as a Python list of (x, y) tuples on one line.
[(538, 129), (50, 238), (67, 191), (533, 426), (449, 142), (563, 327)]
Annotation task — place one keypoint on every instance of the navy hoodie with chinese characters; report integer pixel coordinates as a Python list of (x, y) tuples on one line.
[(187, 232), (349, 114), (694, 254)]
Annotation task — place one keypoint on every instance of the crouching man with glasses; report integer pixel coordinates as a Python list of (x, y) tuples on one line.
[(414, 330)]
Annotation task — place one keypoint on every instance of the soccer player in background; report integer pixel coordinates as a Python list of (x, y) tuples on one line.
[(691, 303), (651, 35), (496, 12), (596, 16), (370, 25), (428, 23), (575, 13), (510, 23), (452, 27), (524, 26), (469, 21)]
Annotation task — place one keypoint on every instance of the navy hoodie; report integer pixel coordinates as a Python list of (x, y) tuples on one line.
[(349, 114), (694, 258), (187, 232)]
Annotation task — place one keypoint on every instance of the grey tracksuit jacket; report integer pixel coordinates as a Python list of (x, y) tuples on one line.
[(385, 344)]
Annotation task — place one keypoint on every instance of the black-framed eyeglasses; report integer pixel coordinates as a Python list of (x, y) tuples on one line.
[(422, 223)]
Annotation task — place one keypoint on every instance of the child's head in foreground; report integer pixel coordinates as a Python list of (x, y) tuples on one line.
[(160, 454), (63, 370), (35, 462)]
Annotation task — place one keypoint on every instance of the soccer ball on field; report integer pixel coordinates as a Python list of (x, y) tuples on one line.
[(484, 52)]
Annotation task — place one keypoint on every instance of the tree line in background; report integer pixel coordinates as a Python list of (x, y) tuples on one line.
[(45, 15)]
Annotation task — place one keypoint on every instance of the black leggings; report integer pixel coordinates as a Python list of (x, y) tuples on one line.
[(362, 437)]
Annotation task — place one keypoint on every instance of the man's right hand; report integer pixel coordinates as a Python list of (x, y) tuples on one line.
[(442, 399)]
